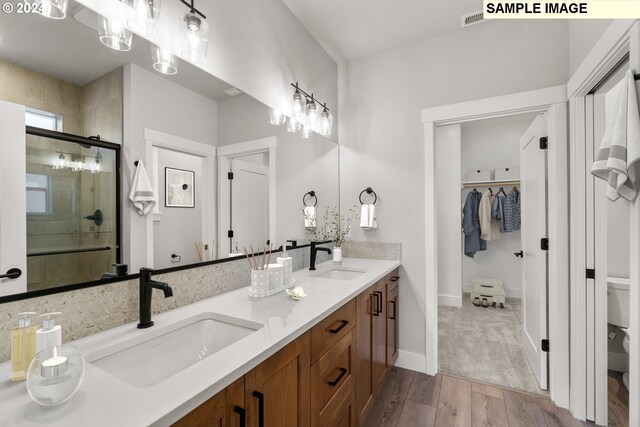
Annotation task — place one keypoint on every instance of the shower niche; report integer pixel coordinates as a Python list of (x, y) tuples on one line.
[(72, 198)]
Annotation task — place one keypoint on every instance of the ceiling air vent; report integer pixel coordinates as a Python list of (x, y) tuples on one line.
[(471, 18)]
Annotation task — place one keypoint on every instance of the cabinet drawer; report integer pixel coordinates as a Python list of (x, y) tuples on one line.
[(329, 331), (332, 380)]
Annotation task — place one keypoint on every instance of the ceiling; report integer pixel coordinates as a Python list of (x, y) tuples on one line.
[(357, 28), (71, 51)]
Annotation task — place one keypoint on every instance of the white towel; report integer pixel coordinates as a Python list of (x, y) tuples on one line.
[(310, 216), (141, 193), (364, 216), (368, 218), (618, 160)]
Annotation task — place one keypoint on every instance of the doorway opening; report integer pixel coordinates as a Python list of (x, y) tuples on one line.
[(482, 334)]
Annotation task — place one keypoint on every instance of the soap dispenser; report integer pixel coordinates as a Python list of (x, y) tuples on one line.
[(23, 346), (287, 262), (50, 334)]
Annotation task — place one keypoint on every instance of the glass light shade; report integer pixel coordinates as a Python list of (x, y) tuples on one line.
[(276, 117), (60, 162), (143, 16), (293, 125), (195, 37), (310, 114), (55, 374), (54, 9), (95, 167), (325, 124), (78, 165), (297, 105), (164, 61), (307, 132), (114, 35)]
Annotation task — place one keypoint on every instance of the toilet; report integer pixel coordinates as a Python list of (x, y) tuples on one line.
[(618, 314)]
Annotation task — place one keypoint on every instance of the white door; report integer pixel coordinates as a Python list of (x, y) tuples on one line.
[(249, 205), (13, 217), (533, 167)]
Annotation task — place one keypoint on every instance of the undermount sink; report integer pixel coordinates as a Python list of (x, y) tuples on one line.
[(337, 273), (172, 349)]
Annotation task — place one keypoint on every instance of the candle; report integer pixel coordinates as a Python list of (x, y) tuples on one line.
[(54, 366)]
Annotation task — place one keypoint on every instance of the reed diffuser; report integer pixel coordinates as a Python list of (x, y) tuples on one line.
[(266, 279)]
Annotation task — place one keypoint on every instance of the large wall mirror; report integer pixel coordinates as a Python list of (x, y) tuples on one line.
[(223, 176)]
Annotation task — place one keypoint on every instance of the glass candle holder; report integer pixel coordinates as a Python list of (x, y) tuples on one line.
[(55, 374)]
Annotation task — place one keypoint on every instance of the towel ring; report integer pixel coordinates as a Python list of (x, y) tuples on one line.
[(310, 194), (368, 190)]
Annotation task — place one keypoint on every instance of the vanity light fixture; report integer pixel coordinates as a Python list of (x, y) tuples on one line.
[(54, 9), (195, 33), (164, 61), (298, 104), (60, 162), (310, 113), (143, 16), (326, 122), (305, 114), (276, 117), (78, 164), (95, 167), (114, 35), (293, 125)]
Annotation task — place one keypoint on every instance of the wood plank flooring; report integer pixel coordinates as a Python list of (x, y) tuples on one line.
[(618, 401), (412, 399)]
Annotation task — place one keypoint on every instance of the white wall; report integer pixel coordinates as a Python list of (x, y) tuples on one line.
[(259, 47), (491, 144), (301, 164), (448, 176), (583, 35), (179, 228), (384, 137), (150, 101)]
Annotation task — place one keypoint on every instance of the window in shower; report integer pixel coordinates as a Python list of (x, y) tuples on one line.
[(72, 209), (43, 119)]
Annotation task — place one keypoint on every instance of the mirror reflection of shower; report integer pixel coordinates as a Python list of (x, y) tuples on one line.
[(72, 221)]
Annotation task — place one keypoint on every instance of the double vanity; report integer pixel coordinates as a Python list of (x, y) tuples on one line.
[(258, 362)]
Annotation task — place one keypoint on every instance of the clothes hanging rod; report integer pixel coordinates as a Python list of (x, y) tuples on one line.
[(471, 184)]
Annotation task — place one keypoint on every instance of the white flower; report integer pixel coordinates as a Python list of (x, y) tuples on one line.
[(296, 293)]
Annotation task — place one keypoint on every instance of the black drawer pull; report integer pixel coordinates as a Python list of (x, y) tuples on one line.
[(337, 380), (260, 398), (394, 310), (395, 278), (376, 304), (379, 293), (241, 413), (339, 328)]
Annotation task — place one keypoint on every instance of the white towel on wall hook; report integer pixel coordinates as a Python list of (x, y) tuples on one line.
[(310, 217), (141, 194), (618, 160), (368, 219), (364, 216)]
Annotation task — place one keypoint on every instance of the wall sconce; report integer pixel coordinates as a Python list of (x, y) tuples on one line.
[(114, 35), (143, 16), (164, 61), (54, 9), (60, 162), (305, 115), (195, 34)]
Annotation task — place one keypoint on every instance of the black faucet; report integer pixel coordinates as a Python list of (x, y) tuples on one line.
[(314, 251), (146, 285)]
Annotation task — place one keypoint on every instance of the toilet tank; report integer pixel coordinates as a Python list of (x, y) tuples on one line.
[(618, 301)]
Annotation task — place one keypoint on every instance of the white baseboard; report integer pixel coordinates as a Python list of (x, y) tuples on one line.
[(617, 361), (452, 300), (509, 292), (412, 361)]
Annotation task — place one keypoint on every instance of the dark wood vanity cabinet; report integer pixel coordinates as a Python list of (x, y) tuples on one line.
[(330, 376), (225, 409)]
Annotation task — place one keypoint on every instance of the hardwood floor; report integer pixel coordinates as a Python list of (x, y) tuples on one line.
[(412, 399), (618, 401)]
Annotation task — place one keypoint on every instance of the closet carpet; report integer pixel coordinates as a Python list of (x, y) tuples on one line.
[(484, 344)]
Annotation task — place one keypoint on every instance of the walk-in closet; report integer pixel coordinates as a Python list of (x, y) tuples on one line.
[(481, 251)]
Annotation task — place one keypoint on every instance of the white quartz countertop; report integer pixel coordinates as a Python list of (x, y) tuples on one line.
[(105, 400)]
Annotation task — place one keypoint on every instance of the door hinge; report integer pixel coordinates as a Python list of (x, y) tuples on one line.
[(544, 345), (544, 244), (230, 176), (591, 273), (230, 234), (544, 143)]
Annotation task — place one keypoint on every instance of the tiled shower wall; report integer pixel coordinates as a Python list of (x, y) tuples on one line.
[(92, 310)]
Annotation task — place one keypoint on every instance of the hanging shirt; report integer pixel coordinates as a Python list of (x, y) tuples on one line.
[(471, 225), (511, 212), (497, 211), (489, 228)]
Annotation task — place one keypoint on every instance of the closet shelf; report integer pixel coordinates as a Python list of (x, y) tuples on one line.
[(493, 183)]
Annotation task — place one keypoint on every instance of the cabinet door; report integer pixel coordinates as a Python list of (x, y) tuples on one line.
[(392, 322), (364, 353), (278, 390), (225, 409), (379, 325)]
